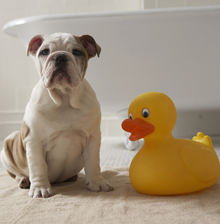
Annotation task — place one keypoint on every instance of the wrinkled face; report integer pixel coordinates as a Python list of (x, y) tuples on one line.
[(62, 59)]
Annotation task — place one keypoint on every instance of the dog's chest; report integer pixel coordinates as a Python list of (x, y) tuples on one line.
[(66, 123), (77, 118), (64, 154), (71, 119)]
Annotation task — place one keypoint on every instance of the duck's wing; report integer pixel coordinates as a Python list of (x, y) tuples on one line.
[(201, 162)]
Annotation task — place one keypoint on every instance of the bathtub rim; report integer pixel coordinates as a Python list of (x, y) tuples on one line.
[(9, 27)]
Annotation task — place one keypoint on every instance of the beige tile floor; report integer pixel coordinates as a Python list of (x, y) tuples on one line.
[(114, 154)]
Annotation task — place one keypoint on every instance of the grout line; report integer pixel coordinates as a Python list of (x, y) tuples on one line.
[(10, 122), (12, 112)]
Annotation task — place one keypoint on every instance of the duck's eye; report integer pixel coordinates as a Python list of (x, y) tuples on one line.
[(130, 116), (145, 112), (45, 52), (77, 52)]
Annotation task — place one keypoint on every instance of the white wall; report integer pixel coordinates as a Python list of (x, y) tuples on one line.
[(17, 72)]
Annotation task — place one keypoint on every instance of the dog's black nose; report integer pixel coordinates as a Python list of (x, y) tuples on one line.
[(60, 59)]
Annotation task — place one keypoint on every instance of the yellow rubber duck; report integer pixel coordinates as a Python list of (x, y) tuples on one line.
[(165, 165)]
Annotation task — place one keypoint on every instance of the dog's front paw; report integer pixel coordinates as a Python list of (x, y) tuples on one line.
[(100, 184), (37, 192)]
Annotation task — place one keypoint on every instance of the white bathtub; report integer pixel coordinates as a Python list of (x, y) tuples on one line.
[(174, 51)]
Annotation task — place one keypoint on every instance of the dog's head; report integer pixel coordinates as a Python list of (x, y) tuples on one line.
[(62, 58)]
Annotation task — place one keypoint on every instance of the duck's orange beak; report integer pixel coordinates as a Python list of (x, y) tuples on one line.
[(138, 128)]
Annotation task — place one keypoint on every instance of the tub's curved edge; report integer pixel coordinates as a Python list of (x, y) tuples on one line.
[(17, 22)]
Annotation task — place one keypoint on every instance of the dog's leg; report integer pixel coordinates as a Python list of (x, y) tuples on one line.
[(94, 178), (38, 172), (13, 156)]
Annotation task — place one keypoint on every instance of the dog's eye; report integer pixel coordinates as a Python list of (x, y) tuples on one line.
[(77, 52), (45, 52)]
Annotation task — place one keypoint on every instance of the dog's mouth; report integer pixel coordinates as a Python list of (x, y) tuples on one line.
[(61, 75), (60, 78), (61, 71)]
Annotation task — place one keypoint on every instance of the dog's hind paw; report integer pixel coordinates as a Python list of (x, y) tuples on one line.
[(71, 179), (24, 183)]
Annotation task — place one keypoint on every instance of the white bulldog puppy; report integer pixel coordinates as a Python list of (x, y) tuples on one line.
[(60, 133)]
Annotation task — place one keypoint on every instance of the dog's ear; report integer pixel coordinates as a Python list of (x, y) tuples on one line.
[(34, 44), (91, 47)]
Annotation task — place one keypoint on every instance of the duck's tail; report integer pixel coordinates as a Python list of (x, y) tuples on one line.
[(205, 139)]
